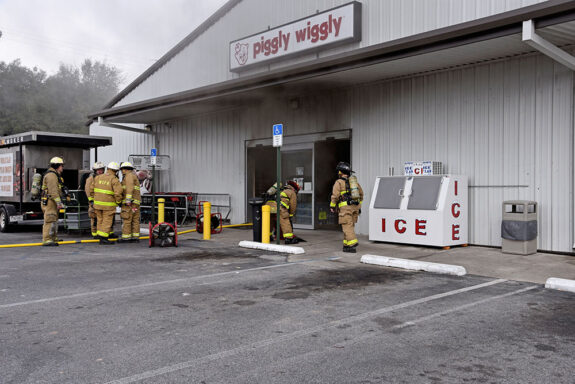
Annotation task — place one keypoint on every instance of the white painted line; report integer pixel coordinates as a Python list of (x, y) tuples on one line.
[(414, 265), (290, 336), (560, 284), (272, 247), (462, 307), (423, 319)]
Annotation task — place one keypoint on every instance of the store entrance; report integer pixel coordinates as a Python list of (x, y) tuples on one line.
[(311, 164)]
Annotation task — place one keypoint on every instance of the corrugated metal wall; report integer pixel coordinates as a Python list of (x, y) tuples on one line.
[(207, 155), (206, 60), (507, 125)]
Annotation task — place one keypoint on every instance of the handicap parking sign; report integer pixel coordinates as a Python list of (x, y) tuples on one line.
[(278, 129)]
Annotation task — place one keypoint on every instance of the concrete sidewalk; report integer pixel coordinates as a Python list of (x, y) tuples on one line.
[(482, 261)]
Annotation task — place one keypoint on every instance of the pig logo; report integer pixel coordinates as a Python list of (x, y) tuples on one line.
[(241, 53)]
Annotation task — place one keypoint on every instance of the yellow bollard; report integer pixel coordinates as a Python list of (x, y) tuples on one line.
[(161, 210), (266, 224), (207, 221)]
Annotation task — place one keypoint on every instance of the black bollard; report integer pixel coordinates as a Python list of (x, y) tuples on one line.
[(256, 203)]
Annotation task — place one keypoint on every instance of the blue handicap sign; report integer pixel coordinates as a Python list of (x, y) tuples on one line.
[(278, 129), (153, 152)]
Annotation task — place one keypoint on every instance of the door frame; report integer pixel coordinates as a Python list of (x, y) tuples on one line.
[(298, 147)]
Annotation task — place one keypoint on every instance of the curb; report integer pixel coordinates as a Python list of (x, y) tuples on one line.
[(560, 284), (414, 265), (271, 247)]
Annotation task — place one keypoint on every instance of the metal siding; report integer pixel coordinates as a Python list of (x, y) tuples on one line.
[(206, 60), (207, 154), (503, 123)]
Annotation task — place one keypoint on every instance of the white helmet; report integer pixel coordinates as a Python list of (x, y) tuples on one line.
[(126, 164), (56, 160), (98, 165), (113, 166)]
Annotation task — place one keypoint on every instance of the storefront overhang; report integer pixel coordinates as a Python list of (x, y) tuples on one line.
[(481, 40)]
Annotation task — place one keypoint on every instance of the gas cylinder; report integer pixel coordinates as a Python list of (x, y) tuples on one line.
[(273, 189), (36, 186), (354, 187)]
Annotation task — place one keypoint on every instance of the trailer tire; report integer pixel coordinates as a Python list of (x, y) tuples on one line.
[(4, 220)]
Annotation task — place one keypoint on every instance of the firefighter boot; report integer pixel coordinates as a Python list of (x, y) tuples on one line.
[(291, 240), (348, 249), (105, 241)]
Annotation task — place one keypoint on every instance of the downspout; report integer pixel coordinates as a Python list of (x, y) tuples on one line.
[(103, 123), (530, 37), (547, 48)]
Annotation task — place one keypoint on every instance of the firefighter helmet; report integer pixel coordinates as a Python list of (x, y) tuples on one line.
[(126, 164), (344, 168), (113, 166), (98, 165), (56, 161), (294, 185)]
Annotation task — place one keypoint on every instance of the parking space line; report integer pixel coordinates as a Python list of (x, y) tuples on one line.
[(291, 336), (147, 285), (462, 307)]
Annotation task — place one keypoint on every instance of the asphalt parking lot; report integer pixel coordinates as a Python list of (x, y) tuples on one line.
[(210, 312)]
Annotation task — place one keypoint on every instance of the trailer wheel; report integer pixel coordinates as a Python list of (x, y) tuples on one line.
[(4, 220)]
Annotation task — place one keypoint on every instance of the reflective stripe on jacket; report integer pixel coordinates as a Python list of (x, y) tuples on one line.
[(89, 182), (51, 186), (107, 191), (339, 192), (289, 199), (131, 187)]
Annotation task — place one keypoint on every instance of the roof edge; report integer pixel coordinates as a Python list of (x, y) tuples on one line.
[(502, 21), (224, 9)]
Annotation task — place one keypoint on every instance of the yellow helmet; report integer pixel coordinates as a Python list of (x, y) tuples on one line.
[(113, 166), (98, 165), (126, 164), (56, 160)]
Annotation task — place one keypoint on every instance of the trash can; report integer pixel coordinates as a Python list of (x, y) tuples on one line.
[(519, 227), (256, 203)]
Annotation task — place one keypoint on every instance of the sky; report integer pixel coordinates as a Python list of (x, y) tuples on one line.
[(128, 34)]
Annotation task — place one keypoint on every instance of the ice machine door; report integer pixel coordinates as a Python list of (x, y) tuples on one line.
[(425, 192), (389, 192)]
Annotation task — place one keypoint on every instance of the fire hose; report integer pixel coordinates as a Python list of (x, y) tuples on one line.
[(96, 240)]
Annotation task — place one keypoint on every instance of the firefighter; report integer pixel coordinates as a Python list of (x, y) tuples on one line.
[(107, 192), (346, 199), (52, 194), (130, 213), (98, 168), (288, 207)]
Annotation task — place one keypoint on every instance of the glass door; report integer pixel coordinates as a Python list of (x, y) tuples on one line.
[(298, 165)]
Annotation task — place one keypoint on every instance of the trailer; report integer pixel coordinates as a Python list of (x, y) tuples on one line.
[(25, 154)]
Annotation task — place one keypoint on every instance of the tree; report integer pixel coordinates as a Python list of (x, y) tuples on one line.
[(31, 100)]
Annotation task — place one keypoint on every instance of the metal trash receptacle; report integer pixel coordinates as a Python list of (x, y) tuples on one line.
[(519, 227), (256, 203)]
